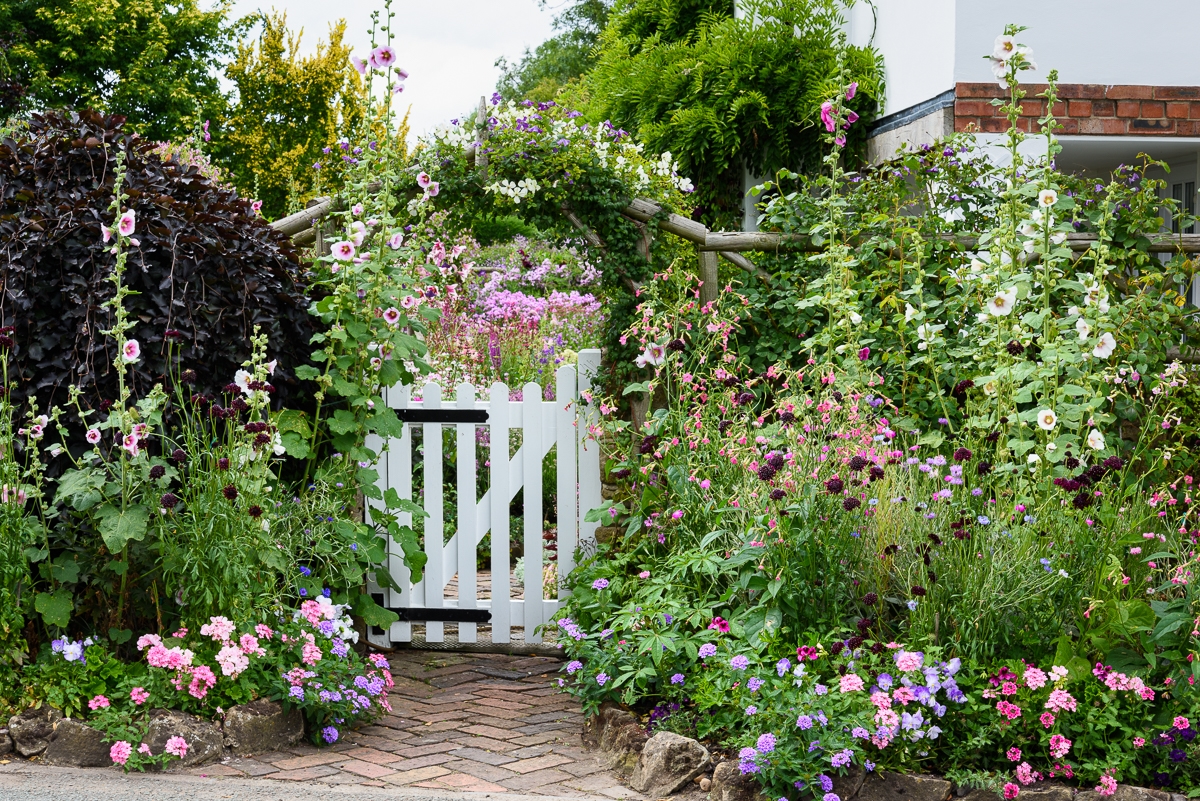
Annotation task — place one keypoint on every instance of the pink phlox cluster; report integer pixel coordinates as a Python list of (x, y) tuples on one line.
[(219, 628), (850, 683), (881, 700), (297, 675), (139, 695), (1059, 746), (120, 752), (233, 660), (1060, 701), (1034, 678), (1107, 785), (99, 702), (310, 654), (378, 660), (264, 631), (175, 658), (907, 661), (147, 640), (1025, 773), (887, 718), (249, 645)]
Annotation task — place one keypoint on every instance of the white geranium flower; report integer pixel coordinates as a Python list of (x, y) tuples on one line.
[(1047, 198), (1105, 347), (1047, 419), (1083, 329), (1002, 303), (1095, 440)]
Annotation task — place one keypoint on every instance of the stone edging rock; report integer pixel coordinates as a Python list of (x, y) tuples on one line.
[(255, 728), (665, 763)]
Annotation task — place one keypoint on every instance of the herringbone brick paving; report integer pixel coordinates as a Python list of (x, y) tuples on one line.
[(460, 722)]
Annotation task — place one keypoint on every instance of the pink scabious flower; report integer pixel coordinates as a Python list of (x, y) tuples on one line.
[(126, 223), (120, 752), (827, 116), (99, 702), (383, 57), (310, 654), (92, 436), (343, 251), (139, 695), (1011, 791), (219, 628), (176, 746), (850, 683), (1060, 701), (1014, 754), (131, 351), (1059, 746)]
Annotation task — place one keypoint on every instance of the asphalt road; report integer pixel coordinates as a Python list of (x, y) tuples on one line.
[(22, 781)]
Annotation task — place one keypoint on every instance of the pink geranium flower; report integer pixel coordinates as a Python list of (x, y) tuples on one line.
[(99, 702), (139, 695), (176, 746)]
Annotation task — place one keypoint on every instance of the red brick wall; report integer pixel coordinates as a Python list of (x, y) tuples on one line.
[(1088, 109)]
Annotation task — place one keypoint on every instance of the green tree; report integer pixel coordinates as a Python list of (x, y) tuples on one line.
[(288, 109), (540, 74), (149, 60), (726, 94)]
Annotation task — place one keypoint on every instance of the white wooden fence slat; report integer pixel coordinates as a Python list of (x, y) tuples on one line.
[(589, 447), (399, 461), (466, 545), (433, 582), (499, 418), (568, 506), (531, 445)]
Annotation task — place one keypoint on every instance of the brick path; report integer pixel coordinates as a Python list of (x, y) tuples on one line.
[(461, 722)]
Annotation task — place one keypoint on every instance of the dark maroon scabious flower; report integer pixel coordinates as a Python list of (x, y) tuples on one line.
[(960, 389), (157, 471), (932, 576), (1071, 462), (743, 398), (648, 444), (851, 503), (918, 590), (724, 426), (854, 642), (1082, 501), (675, 345), (836, 647), (622, 474), (254, 511), (858, 462), (834, 486), (787, 417), (1015, 348), (875, 473), (983, 468), (1113, 463), (992, 436), (962, 454), (222, 463), (778, 495), (168, 501), (766, 472), (776, 460), (179, 456), (870, 599), (230, 492)]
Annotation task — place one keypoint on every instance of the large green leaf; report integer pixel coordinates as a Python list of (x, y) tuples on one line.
[(118, 527), (372, 613), (55, 608)]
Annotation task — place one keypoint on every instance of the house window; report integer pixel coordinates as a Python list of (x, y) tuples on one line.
[(1185, 195)]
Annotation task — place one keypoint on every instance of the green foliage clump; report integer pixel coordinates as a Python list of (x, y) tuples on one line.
[(541, 74)]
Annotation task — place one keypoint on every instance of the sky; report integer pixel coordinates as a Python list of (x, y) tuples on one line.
[(449, 47)]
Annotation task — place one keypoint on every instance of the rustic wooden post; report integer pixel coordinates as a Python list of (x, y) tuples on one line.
[(708, 275)]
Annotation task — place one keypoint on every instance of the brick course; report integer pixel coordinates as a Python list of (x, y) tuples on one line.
[(1088, 109)]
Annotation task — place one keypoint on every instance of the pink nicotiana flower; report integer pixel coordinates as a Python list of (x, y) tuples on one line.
[(344, 250), (383, 57), (131, 351), (92, 436), (126, 223)]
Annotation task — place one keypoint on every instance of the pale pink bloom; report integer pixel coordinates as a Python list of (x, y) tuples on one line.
[(383, 57), (645, 574), (143, 749), (139, 695), (176, 746), (396, 240), (219, 628), (203, 680), (391, 316), (852, 90), (146, 640), (909, 660), (256, 206), (133, 240), (359, 65), (232, 660), (120, 752), (398, 88), (423, 180), (401, 73), (343, 251), (1024, 773), (310, 654), (850, 683), (1107, 785), (105, 234), (1059, 746), (1060, 701), (433, 189), (141, 430), (92, 436), (357, 209), (249, 645), (1035, 678), (131, 351), (130, 443), (263, 631), (126, 223)]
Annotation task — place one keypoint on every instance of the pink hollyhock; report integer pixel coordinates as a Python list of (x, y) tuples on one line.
[(131, 351), (433, 189), (423, 180), (396, 240), (120, 752), (105, 234), (256, 206), (359, 64), (92, 436), (126, 223), (383, 57), (130, 443), (391, 316), (343, 251)]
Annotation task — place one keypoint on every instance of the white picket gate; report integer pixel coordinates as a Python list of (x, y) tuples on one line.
[(561, 424)]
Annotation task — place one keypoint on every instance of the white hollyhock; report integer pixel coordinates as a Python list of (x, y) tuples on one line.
[(1002, 303), (1047, 419), (1105, 347), (1095, 440)]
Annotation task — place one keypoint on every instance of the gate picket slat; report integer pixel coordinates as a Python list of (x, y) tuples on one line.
[(498, 418), (568, 508), (531, 446), (399, 466), (434, 582), (589, 448), (466, 543)]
